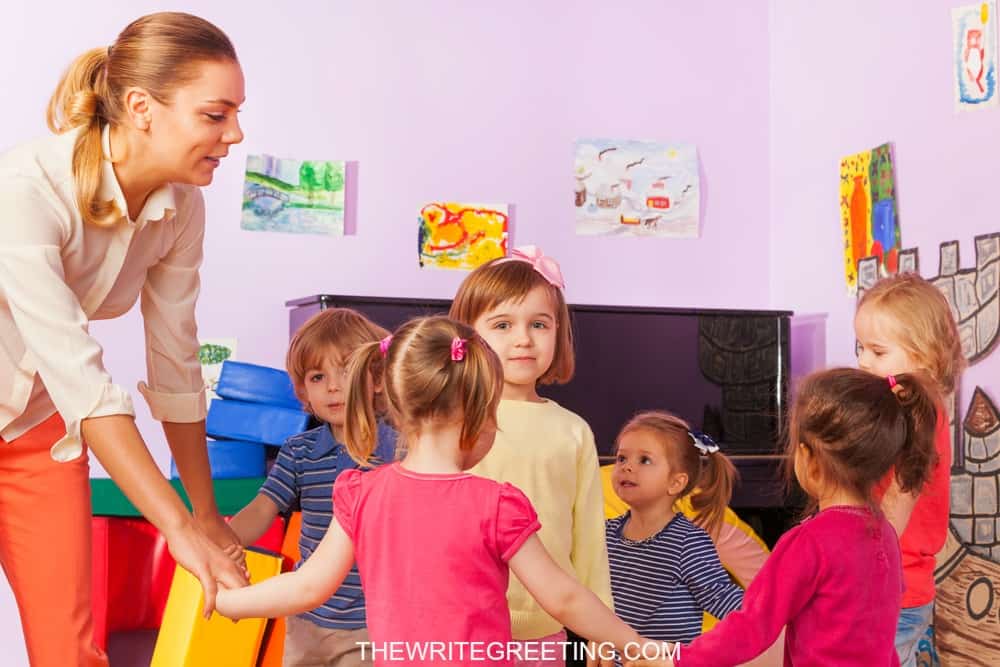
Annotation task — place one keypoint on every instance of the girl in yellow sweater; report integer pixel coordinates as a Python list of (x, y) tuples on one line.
[(516, 304)]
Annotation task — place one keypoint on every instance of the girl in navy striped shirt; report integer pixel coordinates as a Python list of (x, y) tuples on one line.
[(665, 571)]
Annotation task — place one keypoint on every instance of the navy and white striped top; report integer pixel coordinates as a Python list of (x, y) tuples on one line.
[(306, 468), (661, 585)]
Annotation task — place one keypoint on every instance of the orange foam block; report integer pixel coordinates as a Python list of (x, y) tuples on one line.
[(186, 639), (274, 639)]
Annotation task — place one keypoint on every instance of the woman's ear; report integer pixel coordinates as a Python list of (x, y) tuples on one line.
[(138, 106)]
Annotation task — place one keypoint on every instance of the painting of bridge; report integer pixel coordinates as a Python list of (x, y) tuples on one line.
[(293, 196)]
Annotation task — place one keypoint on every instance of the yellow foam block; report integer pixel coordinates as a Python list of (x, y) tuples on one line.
[(186, 639)]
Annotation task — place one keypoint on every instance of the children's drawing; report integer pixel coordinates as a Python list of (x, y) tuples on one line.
[(294, 196), (868, 214), (974, 30), (211, 354), (463, 236), (636, 188)]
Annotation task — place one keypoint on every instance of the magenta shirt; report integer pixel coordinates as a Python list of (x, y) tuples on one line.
[(432, 551), (835, 580)]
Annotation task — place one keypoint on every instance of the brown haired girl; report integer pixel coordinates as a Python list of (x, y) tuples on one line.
[(517, 305), (835, 580), (104, 213), (665, 570)]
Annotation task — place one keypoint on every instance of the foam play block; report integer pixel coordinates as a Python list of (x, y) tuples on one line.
[(256, 384), (233, 459), (131, 573), (256, 422), (186, 639), (231, 495), (273, 650)]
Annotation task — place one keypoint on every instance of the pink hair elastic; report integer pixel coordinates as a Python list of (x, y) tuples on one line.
[(383, 345), (457, 349), (892, 381)]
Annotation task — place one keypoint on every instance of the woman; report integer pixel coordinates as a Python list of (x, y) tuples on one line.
[(105, 212)]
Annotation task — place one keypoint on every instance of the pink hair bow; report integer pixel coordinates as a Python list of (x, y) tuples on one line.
[(383, 345), (457, 349), (548, 267)]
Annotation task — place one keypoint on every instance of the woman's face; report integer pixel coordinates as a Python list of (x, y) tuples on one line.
[(192, 132)]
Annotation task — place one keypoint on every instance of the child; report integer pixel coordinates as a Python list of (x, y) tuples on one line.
[(835, 580), (664, 569), (903, 324), (305, 471), (516, 304), (433, 542)]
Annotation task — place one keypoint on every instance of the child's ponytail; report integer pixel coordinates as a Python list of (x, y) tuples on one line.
[(713, 492), (482, 381), (364, 371), (917, 455)]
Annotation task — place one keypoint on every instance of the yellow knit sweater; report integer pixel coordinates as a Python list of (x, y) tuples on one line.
[(548, 452)]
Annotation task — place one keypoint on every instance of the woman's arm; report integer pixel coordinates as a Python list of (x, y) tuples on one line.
[(116, 443), (295, 592), (188, 446)]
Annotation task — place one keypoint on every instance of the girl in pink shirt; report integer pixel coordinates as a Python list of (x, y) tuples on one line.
[(835, 581), (434, 543)]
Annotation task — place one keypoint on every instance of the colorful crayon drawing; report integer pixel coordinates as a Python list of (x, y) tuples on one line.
[(974, 30), (636, 188), (868, 213), (461, 236), (293, 196)]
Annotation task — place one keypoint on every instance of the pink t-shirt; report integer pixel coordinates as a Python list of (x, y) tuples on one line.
[(432, 551), (835, 580)]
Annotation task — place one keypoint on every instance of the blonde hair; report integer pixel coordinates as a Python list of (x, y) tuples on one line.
[(923, 324), (710, 477), (341, 330), (499, 281), (422, 383), (158, 53)]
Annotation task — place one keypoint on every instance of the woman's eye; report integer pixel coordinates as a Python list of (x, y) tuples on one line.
[(217, 117)]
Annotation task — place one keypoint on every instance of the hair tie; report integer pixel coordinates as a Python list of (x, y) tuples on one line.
[(109, 51), (383, 345), (457, 348), (892, 381), (703, 442), (546, 266)]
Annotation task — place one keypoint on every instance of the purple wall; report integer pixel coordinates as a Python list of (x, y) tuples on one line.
[(456, 100), (892, 82)]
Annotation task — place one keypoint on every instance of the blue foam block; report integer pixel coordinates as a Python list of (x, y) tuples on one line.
[(232, 459), (255, 422), (256, 384)]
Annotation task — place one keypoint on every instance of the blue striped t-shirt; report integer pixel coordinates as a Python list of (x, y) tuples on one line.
[(306, 468), (661, 585)]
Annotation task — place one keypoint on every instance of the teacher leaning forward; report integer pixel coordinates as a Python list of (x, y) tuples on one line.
[(106, 212)]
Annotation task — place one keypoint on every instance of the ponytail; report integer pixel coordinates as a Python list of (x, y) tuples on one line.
[(482, 377), (713, 491), (81, 101), (360, 430), (917, 454)]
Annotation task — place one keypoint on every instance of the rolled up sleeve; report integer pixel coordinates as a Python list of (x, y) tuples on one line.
[(48, 314), (175, 390)]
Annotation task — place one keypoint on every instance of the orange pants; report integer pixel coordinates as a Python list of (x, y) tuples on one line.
[(45, 547)]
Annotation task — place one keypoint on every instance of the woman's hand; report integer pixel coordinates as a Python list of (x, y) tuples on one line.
[(196, 553), (222, 535)]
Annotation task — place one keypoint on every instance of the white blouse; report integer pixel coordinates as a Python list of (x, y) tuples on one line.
[(57, 274)]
